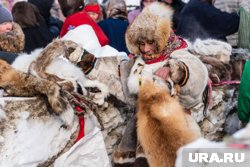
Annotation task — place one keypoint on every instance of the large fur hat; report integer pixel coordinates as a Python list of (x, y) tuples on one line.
[(154, 24)]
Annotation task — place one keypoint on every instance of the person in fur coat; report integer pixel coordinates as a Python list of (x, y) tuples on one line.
[(159, 56), (11, 36)]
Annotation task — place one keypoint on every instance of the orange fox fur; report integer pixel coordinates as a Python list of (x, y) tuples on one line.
[(162, 125), (17, 83)]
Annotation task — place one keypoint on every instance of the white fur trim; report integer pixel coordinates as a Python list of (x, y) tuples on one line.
[(161, 10), (23, 61), (147, 73)]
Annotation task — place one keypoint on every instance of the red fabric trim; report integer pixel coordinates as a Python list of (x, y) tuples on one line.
[(233, 82), (168, 52), (81, 124), (161, 58)]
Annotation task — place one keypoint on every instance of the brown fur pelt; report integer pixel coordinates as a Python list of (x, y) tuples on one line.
[(16, 83), (162, 125), (12, 41), (68, 49), (218, 70), (237, 66)]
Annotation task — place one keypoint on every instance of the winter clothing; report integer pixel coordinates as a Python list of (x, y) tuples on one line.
[(244, 95), (154, 27), (117, 9), (37, 37), (5, 15), (231, 6), (244, 33), (95, 8), (177, 6), (81, 18), (134, 13), (115, 31), (36, 32), (44, 8), (116, 25), (8, 56), (12, 41), (202, 20), (154, 24)]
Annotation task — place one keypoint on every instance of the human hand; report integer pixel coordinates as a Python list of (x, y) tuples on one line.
[(163, 72)]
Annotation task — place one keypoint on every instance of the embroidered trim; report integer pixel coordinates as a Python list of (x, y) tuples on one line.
[(174, 43), (184, 81), (86, 72)]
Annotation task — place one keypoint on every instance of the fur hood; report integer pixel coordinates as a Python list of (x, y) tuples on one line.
[(154, 23), (12, 41)]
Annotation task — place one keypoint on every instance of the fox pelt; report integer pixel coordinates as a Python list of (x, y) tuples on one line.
[(17, 83), (162, 125)]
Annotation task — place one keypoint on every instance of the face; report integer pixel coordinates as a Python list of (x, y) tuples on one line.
[(148, 2), (5, 27), (148, 50), (93, 15)]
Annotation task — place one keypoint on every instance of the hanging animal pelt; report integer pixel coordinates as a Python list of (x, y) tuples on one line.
[(162, 125)]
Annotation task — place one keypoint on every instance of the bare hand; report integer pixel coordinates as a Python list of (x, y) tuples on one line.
[(163, 72)]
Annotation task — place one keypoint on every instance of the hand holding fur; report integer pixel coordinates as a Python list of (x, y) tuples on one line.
[(21, 84)]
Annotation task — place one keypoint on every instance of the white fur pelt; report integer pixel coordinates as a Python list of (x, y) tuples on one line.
[(29, 134), (22, 62), (64, 69), (212, 47)]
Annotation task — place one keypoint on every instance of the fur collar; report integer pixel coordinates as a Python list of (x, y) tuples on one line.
[(12, 41), (141, 72)]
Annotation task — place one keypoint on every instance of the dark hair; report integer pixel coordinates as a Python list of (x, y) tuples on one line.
[(26, 14), (70, 7), (208, 1)]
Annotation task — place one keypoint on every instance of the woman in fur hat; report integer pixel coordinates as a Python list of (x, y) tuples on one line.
[(159, 56), (11, 36)]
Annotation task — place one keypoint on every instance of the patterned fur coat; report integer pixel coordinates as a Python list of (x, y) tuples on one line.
[(12, 41)]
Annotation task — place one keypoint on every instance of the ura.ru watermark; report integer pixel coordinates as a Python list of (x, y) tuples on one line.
[(216, 157)]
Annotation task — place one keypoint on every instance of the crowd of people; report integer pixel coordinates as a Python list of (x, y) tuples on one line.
[(155, 39)]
